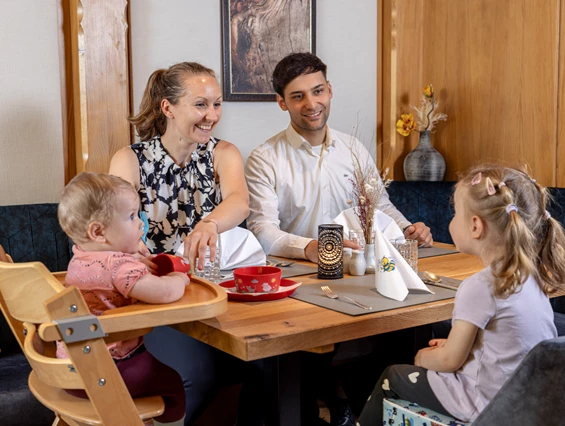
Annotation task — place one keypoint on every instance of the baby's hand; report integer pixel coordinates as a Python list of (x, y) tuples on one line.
[(185, 279), (147, 261)]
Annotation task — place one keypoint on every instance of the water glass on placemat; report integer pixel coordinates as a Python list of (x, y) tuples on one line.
[(358, 237), (408, 249)]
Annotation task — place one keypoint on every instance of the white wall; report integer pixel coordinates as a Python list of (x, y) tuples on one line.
[(164, 33), (31, 141)]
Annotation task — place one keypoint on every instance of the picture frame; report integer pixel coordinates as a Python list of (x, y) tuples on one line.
[(256, 35)]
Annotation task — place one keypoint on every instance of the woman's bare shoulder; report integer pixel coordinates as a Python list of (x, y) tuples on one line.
[(125, 164)]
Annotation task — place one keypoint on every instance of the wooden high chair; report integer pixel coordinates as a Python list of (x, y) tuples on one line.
[(40, 311)]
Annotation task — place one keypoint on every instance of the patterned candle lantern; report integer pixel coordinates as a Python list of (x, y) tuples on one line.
[(330, 251)]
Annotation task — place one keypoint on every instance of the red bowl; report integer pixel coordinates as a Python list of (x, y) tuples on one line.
[(257, 279)]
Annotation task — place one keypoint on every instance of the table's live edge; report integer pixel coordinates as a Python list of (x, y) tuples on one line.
[(253, 331)]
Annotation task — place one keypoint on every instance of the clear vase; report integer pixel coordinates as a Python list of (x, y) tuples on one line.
[(370, 261), (424, 162)]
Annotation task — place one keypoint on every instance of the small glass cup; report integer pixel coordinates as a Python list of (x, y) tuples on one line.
[(356, 236), (211, 271), (408, 249)]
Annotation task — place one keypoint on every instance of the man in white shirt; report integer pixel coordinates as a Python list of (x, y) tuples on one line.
[(298, 179)]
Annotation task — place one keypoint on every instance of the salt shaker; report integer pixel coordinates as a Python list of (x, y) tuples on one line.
[(357, 263)]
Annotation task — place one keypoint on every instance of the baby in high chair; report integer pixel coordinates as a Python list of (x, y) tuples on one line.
[(501, 312), (100, 214)]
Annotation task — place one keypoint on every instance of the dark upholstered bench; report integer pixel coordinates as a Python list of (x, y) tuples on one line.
[(430, 202), (27, 233)]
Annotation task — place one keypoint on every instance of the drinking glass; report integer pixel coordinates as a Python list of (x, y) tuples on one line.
[(356, 236), (211, 271), (408, 250)]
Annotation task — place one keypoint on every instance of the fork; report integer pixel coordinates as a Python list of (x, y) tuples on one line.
[(328, 292)]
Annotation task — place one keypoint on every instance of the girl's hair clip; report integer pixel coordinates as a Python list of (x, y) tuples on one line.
[(533, 180), (546, 215), (477, 179), (511, 208), (501, 184), (490, 187)]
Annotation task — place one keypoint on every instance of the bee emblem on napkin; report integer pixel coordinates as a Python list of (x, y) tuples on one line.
[(387, 264)]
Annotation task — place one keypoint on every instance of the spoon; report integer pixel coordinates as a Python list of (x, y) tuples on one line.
[(430, 276), (434, 279)]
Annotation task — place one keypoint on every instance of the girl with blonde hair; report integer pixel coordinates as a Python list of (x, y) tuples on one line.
[(500, 312)]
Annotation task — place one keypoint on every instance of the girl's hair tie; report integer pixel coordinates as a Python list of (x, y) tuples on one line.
[(490, 187), (501, 184), (477, 179), (546, 215), (511, 208)]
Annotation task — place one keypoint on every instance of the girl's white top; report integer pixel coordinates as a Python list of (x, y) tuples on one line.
[(508, 329)]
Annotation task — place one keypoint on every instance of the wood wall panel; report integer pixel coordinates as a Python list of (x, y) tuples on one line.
[(494, 65), (560, 161), (98, 91)]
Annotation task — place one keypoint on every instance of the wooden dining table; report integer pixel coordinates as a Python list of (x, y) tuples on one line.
[(277, 331)]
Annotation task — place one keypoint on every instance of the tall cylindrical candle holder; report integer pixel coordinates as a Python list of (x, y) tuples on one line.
[(330, 251)]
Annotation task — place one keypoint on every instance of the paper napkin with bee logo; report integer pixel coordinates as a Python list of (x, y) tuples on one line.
[(394, 278)]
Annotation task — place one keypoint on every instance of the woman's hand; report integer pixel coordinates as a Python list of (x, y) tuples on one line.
[(204, 234)]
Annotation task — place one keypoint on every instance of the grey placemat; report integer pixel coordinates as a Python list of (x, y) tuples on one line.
[(434, 251), (363, 290), (298, 269), (295, 269)]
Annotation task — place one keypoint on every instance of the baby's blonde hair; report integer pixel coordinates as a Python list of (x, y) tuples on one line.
[(512, 203), (89, 197)]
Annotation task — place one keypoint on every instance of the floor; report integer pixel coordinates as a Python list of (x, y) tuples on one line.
[(223, 410)]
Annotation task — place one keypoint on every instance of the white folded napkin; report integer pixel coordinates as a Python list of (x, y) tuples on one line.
[(393, 276), (238, 248), (384, 223)]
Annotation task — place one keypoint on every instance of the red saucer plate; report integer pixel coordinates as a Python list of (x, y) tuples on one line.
[(247, 297)]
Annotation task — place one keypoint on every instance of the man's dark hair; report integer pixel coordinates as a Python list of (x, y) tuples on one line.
[(295, 65)]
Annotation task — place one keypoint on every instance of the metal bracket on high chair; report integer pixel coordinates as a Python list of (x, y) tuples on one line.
[(78, 329)]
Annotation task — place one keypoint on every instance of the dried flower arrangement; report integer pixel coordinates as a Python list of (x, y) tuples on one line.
[(366, 191), (427, 115)]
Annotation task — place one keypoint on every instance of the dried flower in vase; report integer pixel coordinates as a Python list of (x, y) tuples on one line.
[(426, 118), (367, 188)]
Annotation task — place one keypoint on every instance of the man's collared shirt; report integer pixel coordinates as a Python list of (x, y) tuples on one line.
[(294, 187)]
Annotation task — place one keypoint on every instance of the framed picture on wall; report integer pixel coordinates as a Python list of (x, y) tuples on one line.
[(256, 35)]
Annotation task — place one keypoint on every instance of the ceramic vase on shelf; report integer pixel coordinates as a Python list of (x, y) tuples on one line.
[(424, 162), (357, 263)]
